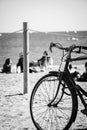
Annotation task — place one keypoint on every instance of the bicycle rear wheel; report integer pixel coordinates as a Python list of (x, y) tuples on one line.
[(47, 117)]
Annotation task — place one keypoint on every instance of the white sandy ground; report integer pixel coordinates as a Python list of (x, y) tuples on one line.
[(14, 108)]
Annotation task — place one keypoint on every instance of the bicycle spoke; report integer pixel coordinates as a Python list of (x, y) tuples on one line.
[(57, 115)]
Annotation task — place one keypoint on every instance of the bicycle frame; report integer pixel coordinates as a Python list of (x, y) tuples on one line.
[(78, 89), (66, 73)]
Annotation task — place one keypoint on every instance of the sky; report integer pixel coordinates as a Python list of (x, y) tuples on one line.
[(43, 15)]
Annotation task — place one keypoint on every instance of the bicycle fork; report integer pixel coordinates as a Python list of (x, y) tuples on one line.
[(53, 103), (81, 92)]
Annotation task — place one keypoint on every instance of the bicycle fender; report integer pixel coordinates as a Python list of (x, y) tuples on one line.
[(54, 72), (58, 73)]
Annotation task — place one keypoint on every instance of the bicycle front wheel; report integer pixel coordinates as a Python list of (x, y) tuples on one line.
[(47, 117)]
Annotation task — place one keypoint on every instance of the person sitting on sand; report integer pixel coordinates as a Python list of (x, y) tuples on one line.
[(39, 65), (20, 62), (83, 77), (7, 66), (75, 74), (42, 62)]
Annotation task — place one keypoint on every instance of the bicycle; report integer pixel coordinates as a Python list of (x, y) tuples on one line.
[(54, 99)]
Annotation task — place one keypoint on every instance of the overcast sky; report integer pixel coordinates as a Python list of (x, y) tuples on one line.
[(43, 15)]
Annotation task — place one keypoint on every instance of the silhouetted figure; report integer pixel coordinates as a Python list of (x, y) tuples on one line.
[(83, 77), (7, 66), (20, 62), (42, 62), (73, 72)]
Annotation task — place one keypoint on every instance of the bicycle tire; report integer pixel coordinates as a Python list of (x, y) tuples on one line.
[(51, 117)]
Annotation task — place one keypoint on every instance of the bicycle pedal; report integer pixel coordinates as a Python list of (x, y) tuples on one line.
[(84, 111)]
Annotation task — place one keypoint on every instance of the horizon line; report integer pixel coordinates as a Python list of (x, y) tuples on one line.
[(36, 31)]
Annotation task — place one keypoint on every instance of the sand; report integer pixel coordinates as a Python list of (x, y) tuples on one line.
[(14, 107)]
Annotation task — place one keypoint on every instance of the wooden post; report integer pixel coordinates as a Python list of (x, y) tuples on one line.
[(26, 56)]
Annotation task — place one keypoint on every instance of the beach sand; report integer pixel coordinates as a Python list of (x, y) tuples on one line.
[(14, 107)]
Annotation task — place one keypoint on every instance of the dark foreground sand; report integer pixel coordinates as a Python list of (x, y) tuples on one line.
[(14, 108)]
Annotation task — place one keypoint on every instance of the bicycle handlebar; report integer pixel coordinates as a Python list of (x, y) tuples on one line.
[(57, 46), (84, 47), (68, 49)]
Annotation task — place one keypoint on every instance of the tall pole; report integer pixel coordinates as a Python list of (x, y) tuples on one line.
[(26, 56)]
